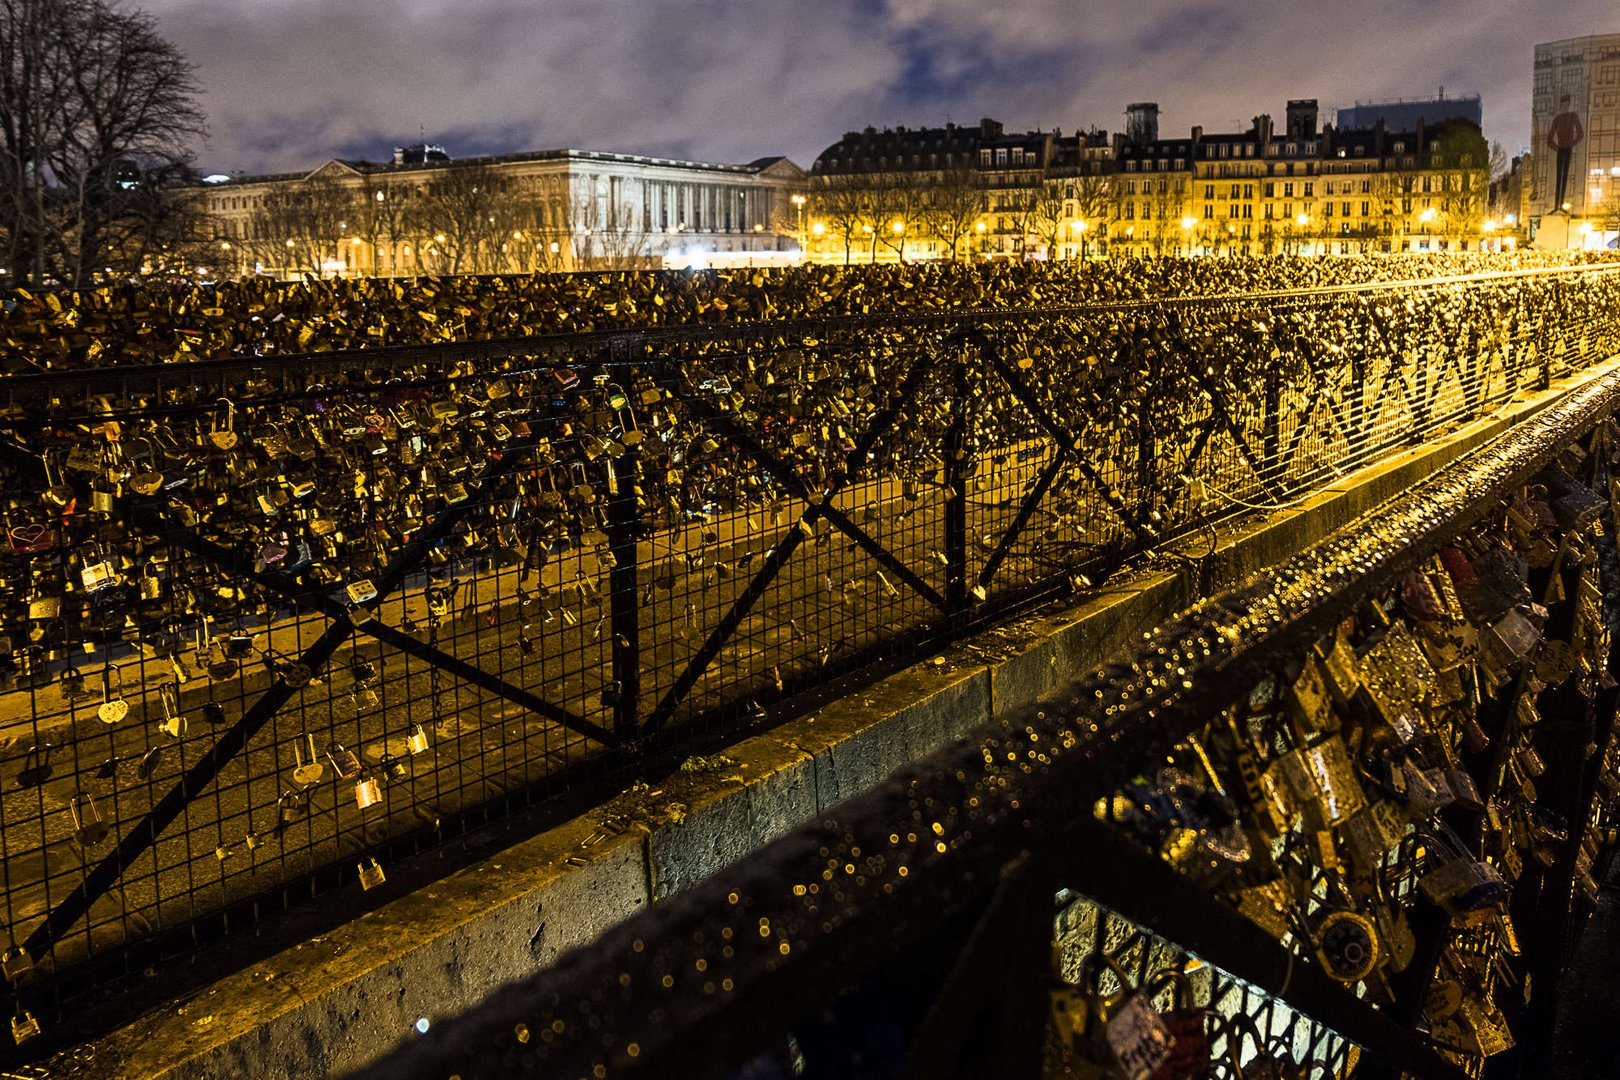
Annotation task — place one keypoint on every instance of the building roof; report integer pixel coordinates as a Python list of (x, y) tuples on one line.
[(368, 168)]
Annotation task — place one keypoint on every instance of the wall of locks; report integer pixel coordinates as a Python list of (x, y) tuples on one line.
[(1416, 804), (134, 325), (267, 624), (1379, 780)]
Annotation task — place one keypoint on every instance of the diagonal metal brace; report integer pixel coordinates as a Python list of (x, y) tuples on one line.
[(284, 585), (234, 740)]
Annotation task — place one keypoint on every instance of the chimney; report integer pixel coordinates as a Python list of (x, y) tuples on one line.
[(1302, 119), (1142, 122), (1198, 134), (1262, 133), (399, 155), (989, 129)]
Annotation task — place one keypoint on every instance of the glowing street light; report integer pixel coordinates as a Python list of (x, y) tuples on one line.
[(1303, 220), (1187, 223), (1427, 215)]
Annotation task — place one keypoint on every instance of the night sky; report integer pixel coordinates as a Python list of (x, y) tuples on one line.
[(290, 83)]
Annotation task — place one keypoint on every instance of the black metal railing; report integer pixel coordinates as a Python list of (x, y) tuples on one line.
[(272, 623), (1372, 783)]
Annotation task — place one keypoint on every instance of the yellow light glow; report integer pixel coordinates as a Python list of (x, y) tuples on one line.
[(978, 226), (818, 228), (289, 243), (1078, 226), (1302, 220), (1490, 226), (517, 234), (439, 237), (1188, 223), (898, 227), (759, 228), (798, 200), (1586, 226), (224, 245), (1427, 215)]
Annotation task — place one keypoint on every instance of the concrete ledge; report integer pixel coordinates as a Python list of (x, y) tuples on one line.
[(335, 1002)]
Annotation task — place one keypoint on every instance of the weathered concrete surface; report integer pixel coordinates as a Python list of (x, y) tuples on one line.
[(335, 1002)]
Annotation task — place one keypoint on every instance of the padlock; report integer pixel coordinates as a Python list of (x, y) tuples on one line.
[(291, 807), (417, 741), (88, 827), (23, 1027), (307, 768), (1135, 1037), (1189, 1057), (173, 724), (1346, 944), (371, 875), (1456, 882), (367, 792), (113, 708), (344, 762), (15, 964), (361, 592)]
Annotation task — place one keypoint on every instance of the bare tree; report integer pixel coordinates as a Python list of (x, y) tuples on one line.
[(896, 201), (95, 111), (1094, 204), (458, 218), (839, 203), (605, 228), (382, 218), (300, 225), (954, 204), (1049, 218)]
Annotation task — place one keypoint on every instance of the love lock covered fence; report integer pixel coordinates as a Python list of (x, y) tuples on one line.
[(1341, 821), (270, 623)]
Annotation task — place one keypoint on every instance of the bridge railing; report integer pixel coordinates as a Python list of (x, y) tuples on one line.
[(1371, 786), (269, 624)]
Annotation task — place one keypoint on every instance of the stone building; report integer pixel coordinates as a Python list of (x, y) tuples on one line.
[(883, 195), (545, 210)]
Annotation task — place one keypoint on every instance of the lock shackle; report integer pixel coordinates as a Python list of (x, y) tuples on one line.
[(1234, 1041), (1183, 997), (1089, 980)]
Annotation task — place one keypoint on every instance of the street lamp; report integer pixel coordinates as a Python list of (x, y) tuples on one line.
[(867, 229), (798, 209), (1080, 228), (1426, 218)]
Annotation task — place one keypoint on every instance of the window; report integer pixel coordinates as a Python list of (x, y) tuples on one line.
[(1209, 191), (1364, 209), (1237, 190), (1327, 210), (1181, 163), (1270, 189), (1344, 209), (1310, 149), (1400, 148), (1310, 189), (1162, 164), (984, 157), (1248, 191), (1130, 166), (1001, 155), (1209, 211), (1288, 191)]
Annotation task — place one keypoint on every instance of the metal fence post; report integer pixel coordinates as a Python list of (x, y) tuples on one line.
[(956, 481), (624, 602)]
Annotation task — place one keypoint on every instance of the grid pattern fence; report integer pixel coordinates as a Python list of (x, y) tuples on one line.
[(268, 623), (1374, 787)]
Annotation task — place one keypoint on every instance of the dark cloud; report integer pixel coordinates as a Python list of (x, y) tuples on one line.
[(290, 82)]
